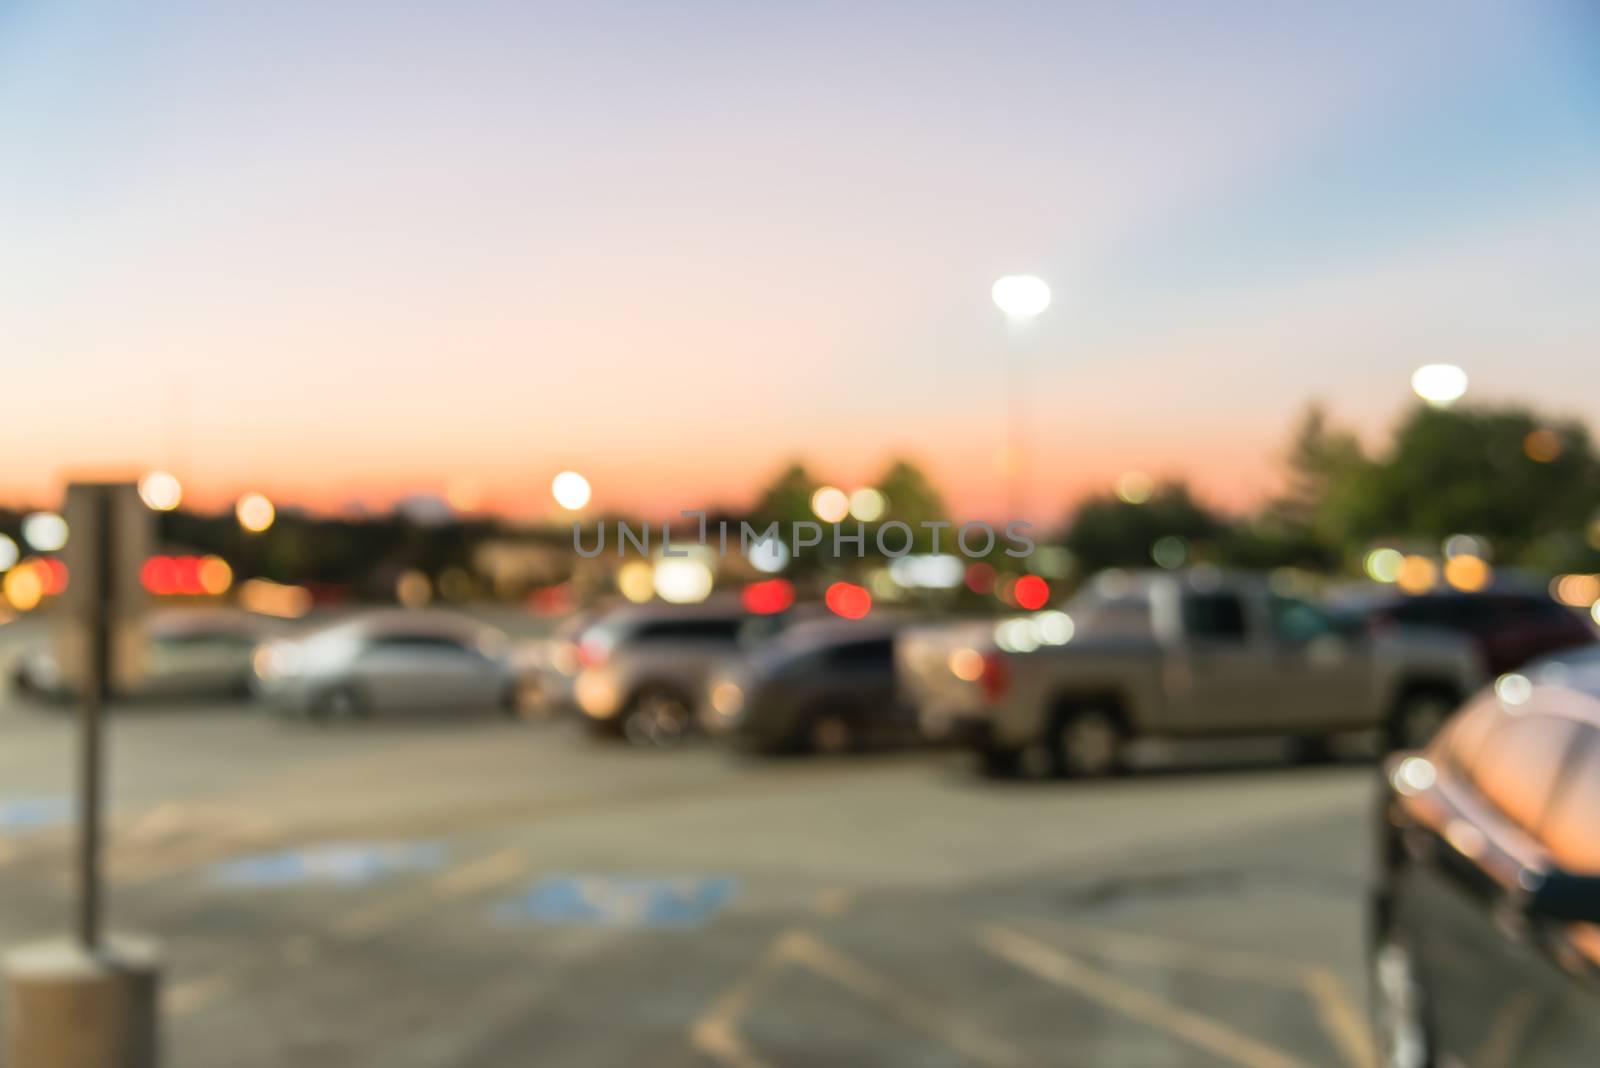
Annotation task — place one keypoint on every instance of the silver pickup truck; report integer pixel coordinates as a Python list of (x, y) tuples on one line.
[(1174, 654)]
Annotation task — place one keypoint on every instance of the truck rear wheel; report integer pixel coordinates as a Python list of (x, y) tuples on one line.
[(1087, 743)]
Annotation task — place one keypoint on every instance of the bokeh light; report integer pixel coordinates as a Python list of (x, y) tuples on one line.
[(571, 490), (830, 504), (1383, 565), (636, 580), (768, 597), (1031, 592), (868, 504), (966, 665), (45, 531), (848, 600), (1542, 446), (254, 512), (160, 491), (9, 552), (682, 580), (769, 555), (216, 576), (1170, 552), (413, 589), (1021, 296), (1440, 384), (22, 587), (1135, 487), (1468, 573), (1417, 574)]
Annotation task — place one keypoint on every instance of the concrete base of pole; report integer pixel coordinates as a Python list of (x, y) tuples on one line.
[(67, 1008)]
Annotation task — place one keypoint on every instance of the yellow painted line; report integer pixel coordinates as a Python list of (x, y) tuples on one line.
[(1196, 1029), (716, 1032), (832, 902), (935, 1020), (1339, 1017), (182, 999)]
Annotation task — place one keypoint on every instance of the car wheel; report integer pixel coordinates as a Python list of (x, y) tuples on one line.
[(337, 705), (1399, 1011), (657, 718), (831, 732), (1088, 744), (1418, 718)]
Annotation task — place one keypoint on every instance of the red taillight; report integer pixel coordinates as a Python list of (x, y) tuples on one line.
[(996, 676), (592, 654)]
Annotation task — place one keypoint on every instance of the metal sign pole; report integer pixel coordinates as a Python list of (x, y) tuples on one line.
[(97, 685)]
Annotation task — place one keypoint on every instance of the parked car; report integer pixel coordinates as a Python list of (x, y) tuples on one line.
[(549, 667), (1509, 628), (1485, 914), (643, 667), (389, 661), (186, 654), (1199, 654), (823, 687)]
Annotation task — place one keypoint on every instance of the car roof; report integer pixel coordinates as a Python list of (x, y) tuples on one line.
[(389, 622)]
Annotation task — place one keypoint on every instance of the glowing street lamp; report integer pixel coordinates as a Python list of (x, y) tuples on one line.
[(1021, 297), (1440, 384), (571, 490)]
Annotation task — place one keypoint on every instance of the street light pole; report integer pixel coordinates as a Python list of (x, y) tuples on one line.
[(1022, 297)]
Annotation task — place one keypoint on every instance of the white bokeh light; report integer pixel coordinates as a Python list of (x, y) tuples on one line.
[(160, 491), (1440, 384), (45, 531), (1021, 296), (571, 490)]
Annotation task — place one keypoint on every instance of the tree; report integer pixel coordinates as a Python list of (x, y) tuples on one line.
[(1526, 483), (912, 498), (1109, 532), (786, 499)]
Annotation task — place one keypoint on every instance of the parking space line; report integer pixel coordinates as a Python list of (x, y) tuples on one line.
[(1197, 1029), (462, 881), (715, 1033), (1336, 1013)]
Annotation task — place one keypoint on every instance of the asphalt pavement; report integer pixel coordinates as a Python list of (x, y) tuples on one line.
[(470, 891)]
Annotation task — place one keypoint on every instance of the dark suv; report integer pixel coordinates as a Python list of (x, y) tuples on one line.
[(1486, 909), (1508, 628)]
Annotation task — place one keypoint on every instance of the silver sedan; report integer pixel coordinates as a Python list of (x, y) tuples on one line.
[(389, 661)]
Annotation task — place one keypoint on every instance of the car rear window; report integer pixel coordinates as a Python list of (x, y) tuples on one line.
[(1520, 763), (1571, 830)]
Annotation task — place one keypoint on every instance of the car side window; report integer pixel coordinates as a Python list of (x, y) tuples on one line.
[(690, 630), (873, 654), (1297, 621), (1215, 616), (416, 643), (1571, 830), (1520, 763)]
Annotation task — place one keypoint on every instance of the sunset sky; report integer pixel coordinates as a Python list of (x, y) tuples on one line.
[(348, 251)]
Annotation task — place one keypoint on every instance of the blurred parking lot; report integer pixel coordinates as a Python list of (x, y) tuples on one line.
[(438, 891)]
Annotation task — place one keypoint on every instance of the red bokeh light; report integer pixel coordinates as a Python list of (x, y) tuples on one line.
[(848, 600), (159, 575), (54, 575), (769, 597), (1031, 592), (980, 577)]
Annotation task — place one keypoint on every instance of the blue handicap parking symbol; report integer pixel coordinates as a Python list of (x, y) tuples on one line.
[(346, 864), (21, 814), (620, 900)]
